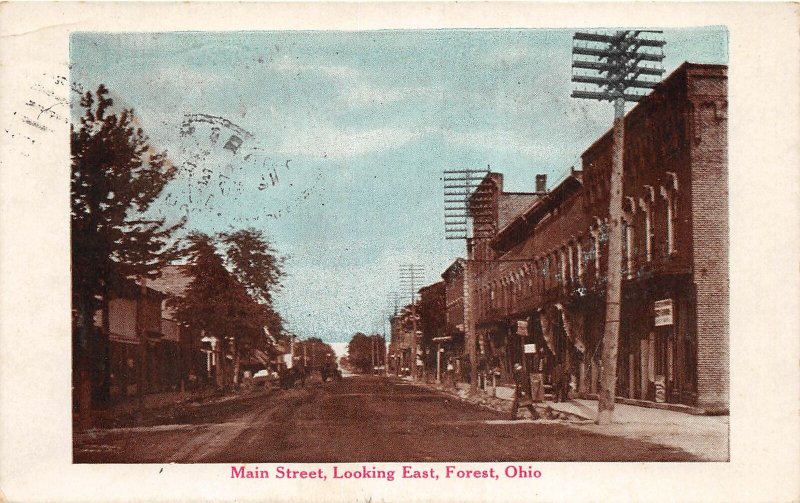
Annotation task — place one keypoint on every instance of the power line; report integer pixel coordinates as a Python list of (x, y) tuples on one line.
[(615, 65)]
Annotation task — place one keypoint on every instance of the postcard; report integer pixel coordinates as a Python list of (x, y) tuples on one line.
[(386, 251)]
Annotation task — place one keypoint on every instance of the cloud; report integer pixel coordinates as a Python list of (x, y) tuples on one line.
[(367, 94), (334, 143), (504, 140), (335, 302), (289, 65)]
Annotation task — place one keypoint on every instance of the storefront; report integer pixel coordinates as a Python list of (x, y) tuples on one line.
[(656, 359)]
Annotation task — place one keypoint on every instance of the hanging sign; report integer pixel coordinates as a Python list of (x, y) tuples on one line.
[(522, 328), (530, 348), (663, 312)]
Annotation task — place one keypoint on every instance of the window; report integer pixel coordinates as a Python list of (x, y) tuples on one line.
[(648, 228), (558, 268), (669, 197), (627, 249)]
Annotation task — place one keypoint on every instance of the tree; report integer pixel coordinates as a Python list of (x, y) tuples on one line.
[(116, 175), (254, 262), (365, 352), (315, 353), (230, 295), (258, 267)]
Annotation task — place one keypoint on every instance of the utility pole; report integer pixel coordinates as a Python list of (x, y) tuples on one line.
[(372, 351), (393, 299), (613, 63), (410, 277), (468, 216)]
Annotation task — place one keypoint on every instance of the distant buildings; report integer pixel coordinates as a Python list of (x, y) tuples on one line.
[(401, 343), (540, 263)]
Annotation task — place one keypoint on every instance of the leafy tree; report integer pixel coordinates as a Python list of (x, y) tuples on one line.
[(116, 175), (363, 352), (230, 293), (256, 265), (316, 353), (254, 262)]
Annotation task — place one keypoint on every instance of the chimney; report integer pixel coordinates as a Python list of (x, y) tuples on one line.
[(541, 184)]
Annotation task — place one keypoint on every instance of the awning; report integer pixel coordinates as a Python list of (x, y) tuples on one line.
[(547, 330), (573, 326)]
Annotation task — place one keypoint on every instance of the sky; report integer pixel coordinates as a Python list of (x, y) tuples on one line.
[(334, 143)]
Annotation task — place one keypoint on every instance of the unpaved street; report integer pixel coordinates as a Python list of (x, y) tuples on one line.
[(357, 419)]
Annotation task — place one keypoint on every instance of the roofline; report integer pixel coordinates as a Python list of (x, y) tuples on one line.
[(544, 199), (432, 285), (459, 261), (682, 68)]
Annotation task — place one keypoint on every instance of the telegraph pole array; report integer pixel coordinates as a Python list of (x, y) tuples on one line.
[(468, 215), (411, 277), (621, 66), (467, 208)]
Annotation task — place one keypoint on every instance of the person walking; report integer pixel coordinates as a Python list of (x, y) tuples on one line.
[(562, 376)]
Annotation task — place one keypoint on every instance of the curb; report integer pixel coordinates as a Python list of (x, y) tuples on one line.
[(545, 412)]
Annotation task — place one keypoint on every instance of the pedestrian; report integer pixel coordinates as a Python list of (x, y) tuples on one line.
[(557, 371), (523, 393), (562, 377)]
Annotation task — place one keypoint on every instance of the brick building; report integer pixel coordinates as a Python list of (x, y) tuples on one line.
[(675, 238), (130, 309), (533, 277), (542, 260), (181, 343), (495, 352), (432, 325), (400, 342), (453, 343)]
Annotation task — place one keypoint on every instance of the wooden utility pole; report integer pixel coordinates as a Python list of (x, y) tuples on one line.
[(468, 215), (410, 277), (608, 378), (613, 63), (470, 335)]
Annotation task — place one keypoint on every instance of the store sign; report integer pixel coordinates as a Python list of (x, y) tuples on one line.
[(663, 312), (530, 348), (522, 328)]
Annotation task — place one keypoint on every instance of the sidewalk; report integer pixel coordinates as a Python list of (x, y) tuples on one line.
[(125, 413), (703, 436)]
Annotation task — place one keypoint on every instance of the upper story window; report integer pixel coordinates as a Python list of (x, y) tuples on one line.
[(669, 193), (646, 204)]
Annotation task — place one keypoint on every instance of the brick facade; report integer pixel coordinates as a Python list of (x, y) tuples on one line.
[(709, 213), (547, 262)]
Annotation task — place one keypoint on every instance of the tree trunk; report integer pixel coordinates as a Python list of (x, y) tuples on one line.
[(221, 364), (83, 348), (236, 363), (105, 392), (140, 332)]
